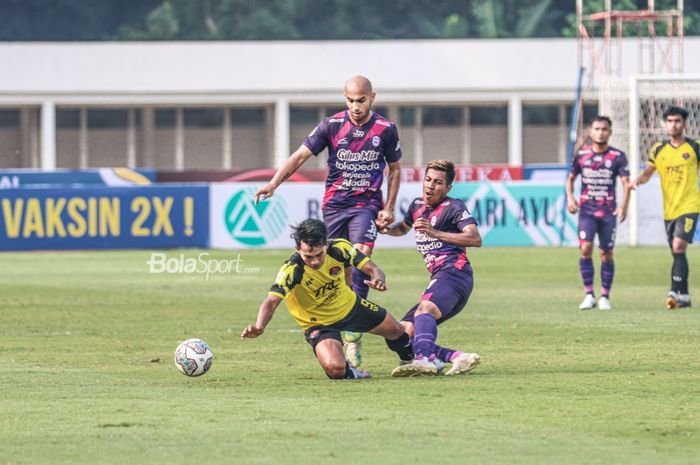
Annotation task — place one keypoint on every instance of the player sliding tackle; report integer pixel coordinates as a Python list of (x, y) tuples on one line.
[(444, 228), (316, 284)]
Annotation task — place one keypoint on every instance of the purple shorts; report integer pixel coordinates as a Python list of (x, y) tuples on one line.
[(605, 226), (354, 224), (449, 290)]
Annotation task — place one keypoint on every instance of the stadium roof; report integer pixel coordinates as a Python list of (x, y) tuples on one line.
[(307, 71)]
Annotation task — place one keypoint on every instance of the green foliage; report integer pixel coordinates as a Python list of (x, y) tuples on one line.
[(303, 19), (87, 374)]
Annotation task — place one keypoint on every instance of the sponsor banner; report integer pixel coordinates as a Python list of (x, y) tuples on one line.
[(520, 213), (541, 172), (236, 222), (470, 173), (13, 179), (104, 217), (517, 214), (465, 173)]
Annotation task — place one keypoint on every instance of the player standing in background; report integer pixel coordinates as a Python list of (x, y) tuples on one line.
[(314, 284), (444, 228), (599, 165), (676, 159), (360, 145)]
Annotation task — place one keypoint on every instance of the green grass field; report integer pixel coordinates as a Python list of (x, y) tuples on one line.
[(87, 375)]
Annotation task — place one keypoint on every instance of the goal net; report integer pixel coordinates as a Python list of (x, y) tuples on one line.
[(636, 106)]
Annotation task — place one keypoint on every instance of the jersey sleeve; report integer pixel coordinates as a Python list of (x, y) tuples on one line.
[(624, 168), (408, 216), (318, 139), (653, 152), (393, 145), (461, 217), (288, 276), (343, 251), (575, 168)]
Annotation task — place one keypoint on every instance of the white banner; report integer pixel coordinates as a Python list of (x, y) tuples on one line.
[(235, 222), (650, 230), (518, 213)]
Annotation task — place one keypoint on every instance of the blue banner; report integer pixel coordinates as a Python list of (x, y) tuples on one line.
[(13, 179), (104, 217), (519, 214)]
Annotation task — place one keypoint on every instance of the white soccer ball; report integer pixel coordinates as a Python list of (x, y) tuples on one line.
[(193, 357)]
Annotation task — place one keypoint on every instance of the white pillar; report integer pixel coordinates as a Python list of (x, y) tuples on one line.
[(227, 143), (466, 136), (179, 138), (563, 136), (418, 137), (281, 131), (83, 139), (515, 131), (131, 139), (48, 135)]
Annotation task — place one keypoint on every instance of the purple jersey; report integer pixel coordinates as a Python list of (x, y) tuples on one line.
[(450, 216), (598, 178), (357, 156)]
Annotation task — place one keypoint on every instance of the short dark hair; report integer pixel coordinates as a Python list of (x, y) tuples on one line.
[(601, 118), (676, 111), (443, 165), (310, 231)]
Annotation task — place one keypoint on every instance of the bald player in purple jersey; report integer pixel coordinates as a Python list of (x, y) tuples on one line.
[(444, 228), (599, 165), (361, 144)]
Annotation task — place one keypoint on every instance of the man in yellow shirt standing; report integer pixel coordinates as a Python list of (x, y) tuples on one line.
[(676, 159), (316, 285)]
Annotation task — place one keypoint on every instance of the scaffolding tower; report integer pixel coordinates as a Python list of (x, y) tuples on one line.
[(659, 34)]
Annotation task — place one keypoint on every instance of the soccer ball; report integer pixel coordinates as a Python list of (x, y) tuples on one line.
[(193, 357)]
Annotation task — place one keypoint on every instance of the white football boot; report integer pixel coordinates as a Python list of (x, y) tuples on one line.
[(588, 302), (464, 364), (604, 303), (419, 366)]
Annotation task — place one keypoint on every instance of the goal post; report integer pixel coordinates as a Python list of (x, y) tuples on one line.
[(636, 107)]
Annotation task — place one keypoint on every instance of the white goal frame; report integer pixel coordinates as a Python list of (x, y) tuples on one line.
[(637, 149)]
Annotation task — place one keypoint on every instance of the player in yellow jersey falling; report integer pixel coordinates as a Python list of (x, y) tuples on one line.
[(316, 285), (677, 159)]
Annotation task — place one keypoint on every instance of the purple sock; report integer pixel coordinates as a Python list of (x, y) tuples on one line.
[(586, 266), (358, 283), (445, 354), (425, 333), (607, 272)]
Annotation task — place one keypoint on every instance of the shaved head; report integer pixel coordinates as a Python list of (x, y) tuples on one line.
[(359, 99), (358, 85)]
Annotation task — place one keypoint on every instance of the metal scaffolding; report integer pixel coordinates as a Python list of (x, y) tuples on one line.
[(600, 37)]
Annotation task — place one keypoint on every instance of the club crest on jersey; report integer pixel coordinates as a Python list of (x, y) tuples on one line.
[(375, 141), (334, 271), (608, 163), (358, 134), (433, 220), (686, 155)]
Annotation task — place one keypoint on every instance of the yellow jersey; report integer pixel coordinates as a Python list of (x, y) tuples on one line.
[(322, 296), (678, 170)]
